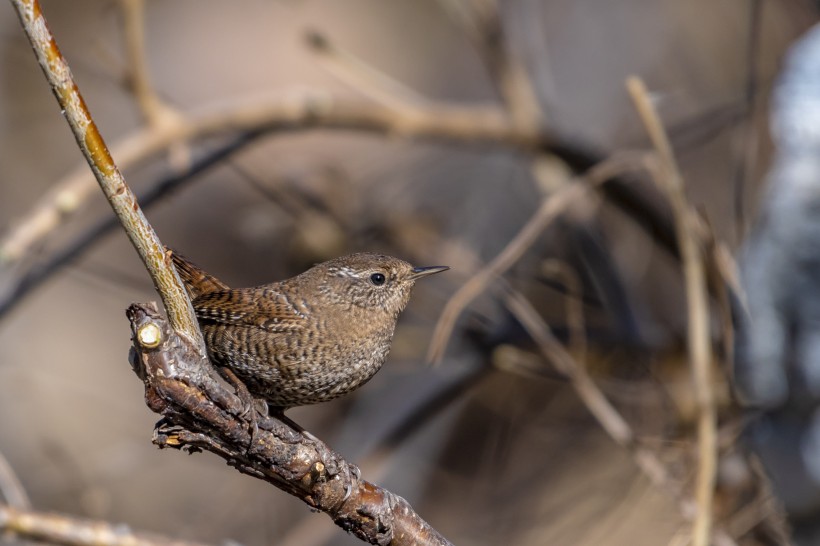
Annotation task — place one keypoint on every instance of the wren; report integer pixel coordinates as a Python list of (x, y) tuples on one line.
[(310, 338)]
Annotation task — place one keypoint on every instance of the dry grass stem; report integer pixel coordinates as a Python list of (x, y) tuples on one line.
[(667, 176)]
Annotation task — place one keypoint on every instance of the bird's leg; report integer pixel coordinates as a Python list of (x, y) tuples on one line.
[(247, 400), (279, 413)]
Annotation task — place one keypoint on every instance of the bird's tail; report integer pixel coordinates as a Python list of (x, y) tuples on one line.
[(196, 281)]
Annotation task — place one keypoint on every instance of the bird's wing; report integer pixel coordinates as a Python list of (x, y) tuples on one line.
[(265, 308), (196, 281)]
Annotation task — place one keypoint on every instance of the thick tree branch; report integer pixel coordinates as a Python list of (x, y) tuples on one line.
[(201, 414)]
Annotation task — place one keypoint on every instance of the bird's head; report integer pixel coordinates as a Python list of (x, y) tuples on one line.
[(370, 281)]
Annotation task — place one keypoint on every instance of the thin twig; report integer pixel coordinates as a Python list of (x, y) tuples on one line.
[(11, 488), (65, 255), (574, 301), (549, 210), (602, 409), (604, 412), (122, 200), (747, 156), (362, 76), (668, 178), (69, 531), (151, 106), (484, 26), (282, 112)]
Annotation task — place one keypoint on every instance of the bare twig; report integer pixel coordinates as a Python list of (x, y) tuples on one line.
[(747, 156), (70, 252), (602, 409), (574, 304), (362, 76), (592, 397), (201, 414), (156, 112), (667, 176), (483, 23), (298, 110), (551, 207), (69, 531), (122, 200), (11, 488)]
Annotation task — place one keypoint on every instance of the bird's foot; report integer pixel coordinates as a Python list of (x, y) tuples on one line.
[(249, 409)]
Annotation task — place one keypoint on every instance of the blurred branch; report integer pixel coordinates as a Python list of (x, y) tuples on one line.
[(602, 409), (667, 176), (573, 299), (201, 414), (484, 26), (286, 112), (70, 252), (11, 488), (747, 158), (362, 76), (549, 210), (155, 111), (593, 398), (122, 200), (69, 531), (405, 114)]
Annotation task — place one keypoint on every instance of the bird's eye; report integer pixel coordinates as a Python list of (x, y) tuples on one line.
[(377, 279)]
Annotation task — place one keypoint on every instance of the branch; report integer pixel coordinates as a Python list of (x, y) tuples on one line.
[(604, 412), (201, 414), (279, 113), (550, 209), (668, 177), (122, 200), (59, 529), (483, 23), (11, 488), (75, 248)]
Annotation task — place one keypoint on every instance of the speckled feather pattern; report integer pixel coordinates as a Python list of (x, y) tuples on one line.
[(307, 339)]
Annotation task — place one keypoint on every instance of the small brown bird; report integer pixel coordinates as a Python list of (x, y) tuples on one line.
[(310, 338)]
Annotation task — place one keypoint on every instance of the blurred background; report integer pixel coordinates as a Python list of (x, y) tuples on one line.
[(491, 445)]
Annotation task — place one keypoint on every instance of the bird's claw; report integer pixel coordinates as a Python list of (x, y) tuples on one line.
[(248, 410)]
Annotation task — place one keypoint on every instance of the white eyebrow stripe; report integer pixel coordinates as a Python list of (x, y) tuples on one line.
[(347, 272)]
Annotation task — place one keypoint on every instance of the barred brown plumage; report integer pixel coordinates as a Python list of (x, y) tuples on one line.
[(310, 338)]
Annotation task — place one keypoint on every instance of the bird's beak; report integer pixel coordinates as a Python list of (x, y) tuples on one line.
[(419, 272)]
